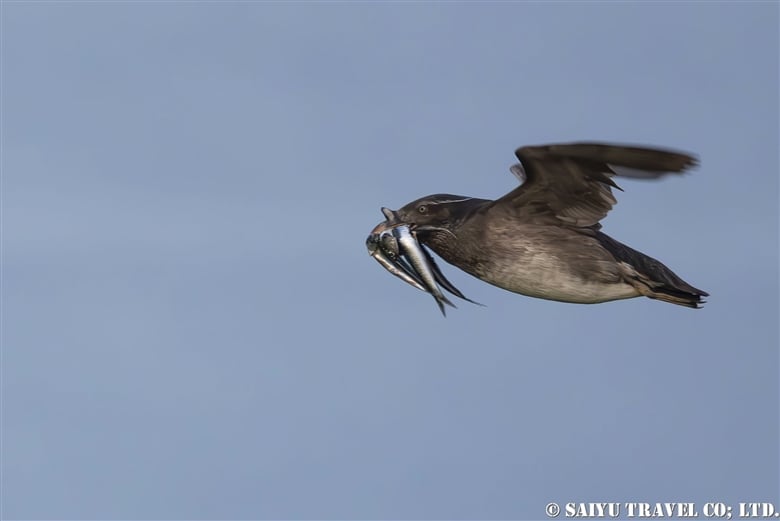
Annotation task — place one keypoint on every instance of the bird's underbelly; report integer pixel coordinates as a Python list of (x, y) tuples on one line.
[(552, 276)]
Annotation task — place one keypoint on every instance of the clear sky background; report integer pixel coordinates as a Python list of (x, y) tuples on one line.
[(192, 327)]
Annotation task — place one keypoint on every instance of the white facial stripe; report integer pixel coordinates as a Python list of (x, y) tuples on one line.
[(452, 200)]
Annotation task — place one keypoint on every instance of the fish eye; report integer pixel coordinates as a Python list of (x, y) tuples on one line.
[(422, 209)]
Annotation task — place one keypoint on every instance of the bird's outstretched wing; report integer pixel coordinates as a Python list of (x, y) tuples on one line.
[(570, 184)]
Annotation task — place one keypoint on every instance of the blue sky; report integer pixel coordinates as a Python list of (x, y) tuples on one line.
[(192, 327)]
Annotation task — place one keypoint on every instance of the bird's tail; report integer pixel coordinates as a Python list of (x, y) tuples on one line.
[(691, 299), (650, 277)]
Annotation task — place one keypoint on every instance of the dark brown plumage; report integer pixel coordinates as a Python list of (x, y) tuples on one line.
[(542, 239)]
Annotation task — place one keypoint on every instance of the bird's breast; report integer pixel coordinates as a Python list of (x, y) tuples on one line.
[(547, 262)]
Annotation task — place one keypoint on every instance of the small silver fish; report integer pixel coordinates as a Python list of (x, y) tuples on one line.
[(412, 250), (373, 243), (390, 248), (390, 257), (441, 279), (383, 245), (389, 244)]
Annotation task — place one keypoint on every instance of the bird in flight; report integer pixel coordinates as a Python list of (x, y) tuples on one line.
[(543, 239)]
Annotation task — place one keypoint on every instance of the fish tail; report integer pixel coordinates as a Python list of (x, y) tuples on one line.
[(442, 299)]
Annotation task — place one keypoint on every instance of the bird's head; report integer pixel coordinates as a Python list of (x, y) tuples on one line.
[(439, 212)]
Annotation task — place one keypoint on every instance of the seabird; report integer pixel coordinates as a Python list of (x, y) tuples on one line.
[(543, 238)]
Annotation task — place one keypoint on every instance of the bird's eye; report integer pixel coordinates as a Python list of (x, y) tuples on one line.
[(422, 209)]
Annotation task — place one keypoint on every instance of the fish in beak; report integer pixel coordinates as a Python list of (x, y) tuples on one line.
[(391, 264), (395, 246), (413, 251)]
